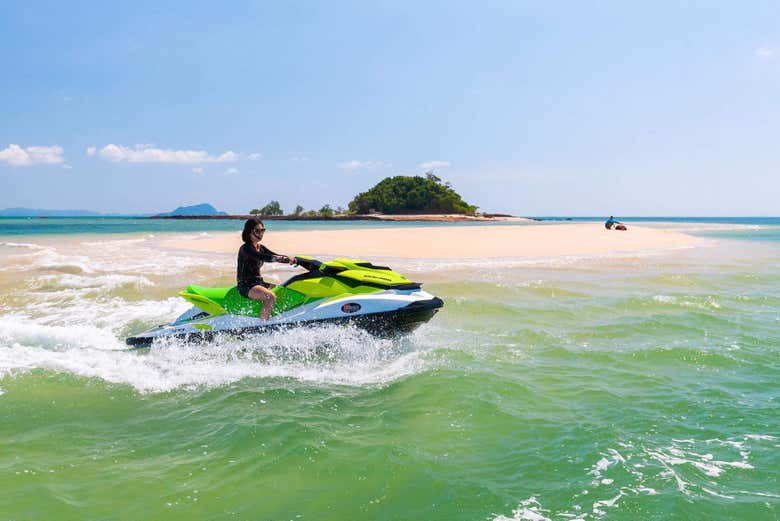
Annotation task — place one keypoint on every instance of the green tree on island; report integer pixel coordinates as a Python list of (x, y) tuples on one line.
[(271, 208), (411, 195)]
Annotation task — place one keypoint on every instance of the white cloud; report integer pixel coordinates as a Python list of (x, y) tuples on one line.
[(150, 154), (360, 165), (91, 151), (231, 171), (67, 167), (15, 155), (765, 52), (254, 156), (198, 170), (431, 165)]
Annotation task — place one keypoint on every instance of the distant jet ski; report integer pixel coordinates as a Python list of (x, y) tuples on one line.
[(343, 291), (612, 224)]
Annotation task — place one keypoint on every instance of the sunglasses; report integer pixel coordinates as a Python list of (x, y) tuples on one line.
[(258, 230)]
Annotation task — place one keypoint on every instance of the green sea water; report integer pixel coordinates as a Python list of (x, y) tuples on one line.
[(627, 387)]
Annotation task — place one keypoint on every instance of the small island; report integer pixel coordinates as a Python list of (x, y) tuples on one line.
[(397, 198), (197, 210)]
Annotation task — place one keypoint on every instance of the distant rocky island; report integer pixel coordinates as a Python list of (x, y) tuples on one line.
[(196, 210)]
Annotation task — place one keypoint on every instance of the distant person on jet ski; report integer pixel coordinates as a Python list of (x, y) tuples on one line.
[(612, 224), (251, 257)]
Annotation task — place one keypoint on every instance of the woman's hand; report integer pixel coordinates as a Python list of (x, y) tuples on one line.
[(287, 259)]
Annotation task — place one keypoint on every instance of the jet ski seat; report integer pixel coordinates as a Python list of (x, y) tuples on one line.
[(209, 293), (218, 301)]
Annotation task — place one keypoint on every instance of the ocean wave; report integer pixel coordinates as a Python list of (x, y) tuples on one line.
[(26, 245), (104, 282), (193, 236), (704, 303), (114, 314), (138, 255), (52, 260), (20, 332), (117, 243)]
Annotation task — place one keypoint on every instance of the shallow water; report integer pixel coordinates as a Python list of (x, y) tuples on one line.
[(623, 387)]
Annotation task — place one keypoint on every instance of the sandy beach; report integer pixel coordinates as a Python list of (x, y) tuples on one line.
[(455, 242)]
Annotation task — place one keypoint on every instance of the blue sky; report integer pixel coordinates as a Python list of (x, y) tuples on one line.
[(533, 108)]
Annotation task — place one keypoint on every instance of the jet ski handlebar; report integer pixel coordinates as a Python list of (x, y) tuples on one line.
[(327, 268), (308, 264)]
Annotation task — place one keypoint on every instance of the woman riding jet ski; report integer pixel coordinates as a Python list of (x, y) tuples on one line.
[(343, 291)]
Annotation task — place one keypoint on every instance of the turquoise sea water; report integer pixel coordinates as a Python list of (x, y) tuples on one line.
[(736, 227), (621, 387), (20, 226)]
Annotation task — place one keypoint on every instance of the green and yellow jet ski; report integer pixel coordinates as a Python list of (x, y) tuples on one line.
[(342, 291)]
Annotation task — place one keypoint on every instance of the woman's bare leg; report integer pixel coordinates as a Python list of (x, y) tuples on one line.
[(267, 297)]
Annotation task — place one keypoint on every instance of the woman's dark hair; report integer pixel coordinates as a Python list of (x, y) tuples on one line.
[(249, 225)]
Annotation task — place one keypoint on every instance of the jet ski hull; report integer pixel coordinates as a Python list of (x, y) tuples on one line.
[(382, 323)]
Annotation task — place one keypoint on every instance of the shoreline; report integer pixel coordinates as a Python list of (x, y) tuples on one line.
[(362, 217), (470, 242)]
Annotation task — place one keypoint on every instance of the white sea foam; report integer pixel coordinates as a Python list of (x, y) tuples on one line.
[(26, 335), (693, 468), (105, 282), (71, 321), (528, 510), (702, 303), (66, 263), (26, 245), (327, 355), (117, 243), (762, 437), (599, 466), (68, 308), (139, 255)]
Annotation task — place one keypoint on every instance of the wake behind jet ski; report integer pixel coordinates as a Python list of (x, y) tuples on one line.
[(342, 291)]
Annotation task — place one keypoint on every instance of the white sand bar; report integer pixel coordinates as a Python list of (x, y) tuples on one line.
[(454, 242)]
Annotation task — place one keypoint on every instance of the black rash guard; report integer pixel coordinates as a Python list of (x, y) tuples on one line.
[(250, 261)]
